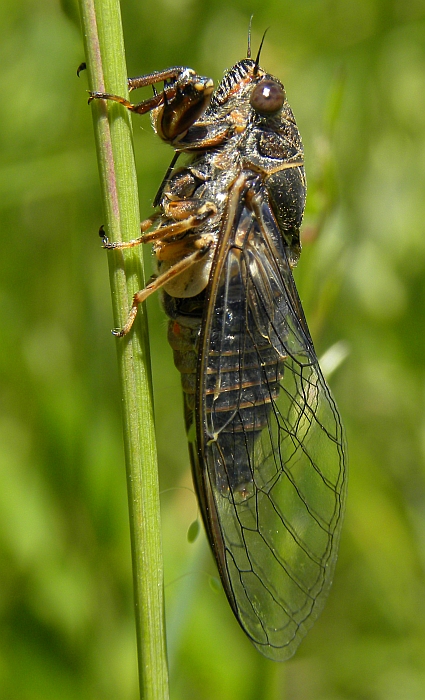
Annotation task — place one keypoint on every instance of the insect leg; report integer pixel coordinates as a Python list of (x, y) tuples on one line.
[(140, 108), (142, 81), (155, 77), (169, 92), (166, 233), (159, 282)]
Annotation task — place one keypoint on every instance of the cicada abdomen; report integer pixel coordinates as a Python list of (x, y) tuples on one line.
[(265, 436)]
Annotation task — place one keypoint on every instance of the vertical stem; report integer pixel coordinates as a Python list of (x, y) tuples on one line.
[(101, 23)]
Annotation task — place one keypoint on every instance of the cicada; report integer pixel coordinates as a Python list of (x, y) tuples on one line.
[(265, 436)]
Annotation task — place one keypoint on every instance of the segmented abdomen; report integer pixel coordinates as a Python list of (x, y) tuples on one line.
[(243, 371)]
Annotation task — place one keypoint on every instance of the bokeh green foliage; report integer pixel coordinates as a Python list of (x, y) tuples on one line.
[(354, 71)]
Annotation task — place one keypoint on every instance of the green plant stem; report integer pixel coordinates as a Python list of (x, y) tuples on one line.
[(101, 23)]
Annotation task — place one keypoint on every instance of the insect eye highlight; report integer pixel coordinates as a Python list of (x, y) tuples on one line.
[(267, 97)]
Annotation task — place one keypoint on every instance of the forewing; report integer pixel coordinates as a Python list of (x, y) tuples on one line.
[(270, 442)]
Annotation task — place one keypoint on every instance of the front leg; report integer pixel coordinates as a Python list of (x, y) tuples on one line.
[(139, 108), (170, 74), (183, 100), (158, 76)]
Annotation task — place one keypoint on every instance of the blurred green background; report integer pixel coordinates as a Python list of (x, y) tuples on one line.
[(354, 72)]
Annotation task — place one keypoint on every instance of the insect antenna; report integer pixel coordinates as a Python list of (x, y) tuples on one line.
[(257, 60), (248, 51)]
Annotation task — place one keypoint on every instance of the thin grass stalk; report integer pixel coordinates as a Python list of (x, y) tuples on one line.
[(105, 58)]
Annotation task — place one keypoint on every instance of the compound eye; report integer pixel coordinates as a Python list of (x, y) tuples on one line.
[(267, 97)]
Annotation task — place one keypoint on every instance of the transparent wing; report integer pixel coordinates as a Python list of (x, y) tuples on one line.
[(271, 475)]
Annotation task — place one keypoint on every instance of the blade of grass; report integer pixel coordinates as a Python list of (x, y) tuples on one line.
[(102, 31)]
